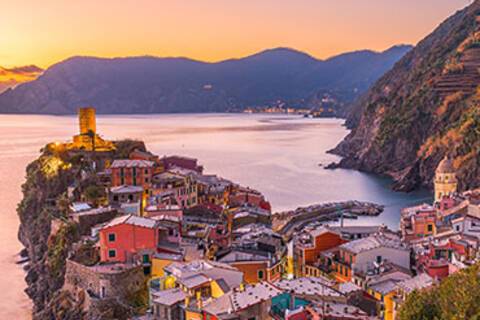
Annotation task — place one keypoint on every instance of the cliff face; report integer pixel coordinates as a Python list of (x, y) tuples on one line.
[(45, 183), (49, 244), (424, 108)]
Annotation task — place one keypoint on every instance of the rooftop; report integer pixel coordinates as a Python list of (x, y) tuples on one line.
[(132, 220), (373, 242), (195, 271), (128, 163), (80, 206), (340, 310), (445, 166), (254, 294), (169, 297), (308, 286), (126, 189), (93, 212), (420, 281)]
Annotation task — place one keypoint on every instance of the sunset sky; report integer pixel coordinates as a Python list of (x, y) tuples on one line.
[(47, 31)]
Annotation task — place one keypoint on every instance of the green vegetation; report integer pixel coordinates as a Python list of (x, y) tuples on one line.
[(125, 147), (456, 298), (139, 300), (87, 254), (59, 246), (94, 194)]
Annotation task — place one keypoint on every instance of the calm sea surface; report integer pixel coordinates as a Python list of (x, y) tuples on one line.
[(278, 155)]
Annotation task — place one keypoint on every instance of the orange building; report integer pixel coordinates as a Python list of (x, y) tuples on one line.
[(256, 266), (310, 245), (418, 222), (258, 271)]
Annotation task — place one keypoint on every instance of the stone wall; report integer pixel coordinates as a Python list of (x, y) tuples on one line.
[(96, 216), (112, 281)]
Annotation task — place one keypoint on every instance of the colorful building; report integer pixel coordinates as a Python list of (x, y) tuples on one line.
[(132, 173), (418, 222), (128, 239), (364, 254), (308, 247), (445, 182)]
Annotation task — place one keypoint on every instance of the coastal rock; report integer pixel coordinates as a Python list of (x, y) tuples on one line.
[(427, 106)]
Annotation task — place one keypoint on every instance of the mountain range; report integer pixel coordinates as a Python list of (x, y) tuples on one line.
[(159, 85), (427, 107)]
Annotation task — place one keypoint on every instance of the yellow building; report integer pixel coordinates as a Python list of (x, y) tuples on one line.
[(88, 139), (445, 179), (162, 260)]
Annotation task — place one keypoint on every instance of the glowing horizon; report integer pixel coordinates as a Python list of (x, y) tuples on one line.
[(46, 32)]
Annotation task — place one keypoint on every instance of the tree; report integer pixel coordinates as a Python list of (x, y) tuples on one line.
[(420, 305), (94, 194), (456, 298), (91, 135)]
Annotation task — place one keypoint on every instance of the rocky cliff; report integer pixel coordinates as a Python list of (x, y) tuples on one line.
[(157, 85), (48, 235), (427, 106)]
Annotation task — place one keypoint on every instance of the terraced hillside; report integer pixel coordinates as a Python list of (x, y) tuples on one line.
[(427, 106), (463, 80)]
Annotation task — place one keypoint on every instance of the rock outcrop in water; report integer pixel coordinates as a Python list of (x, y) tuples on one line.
[(426, 107)]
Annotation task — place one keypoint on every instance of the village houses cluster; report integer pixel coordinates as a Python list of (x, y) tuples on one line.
[(206, 247)]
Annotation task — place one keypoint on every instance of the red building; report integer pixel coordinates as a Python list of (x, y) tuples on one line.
[(132, 173), (245, 196), (130, 238), (182, 162)]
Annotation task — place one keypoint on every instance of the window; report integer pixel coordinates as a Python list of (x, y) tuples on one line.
[(146, 258), (112, 253), (115, 198), (379, 259), (111, 237), (260, 274), (146, 171), (430, 228)]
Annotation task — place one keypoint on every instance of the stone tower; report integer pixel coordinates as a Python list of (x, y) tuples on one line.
[(445, 179), (87, 121)]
